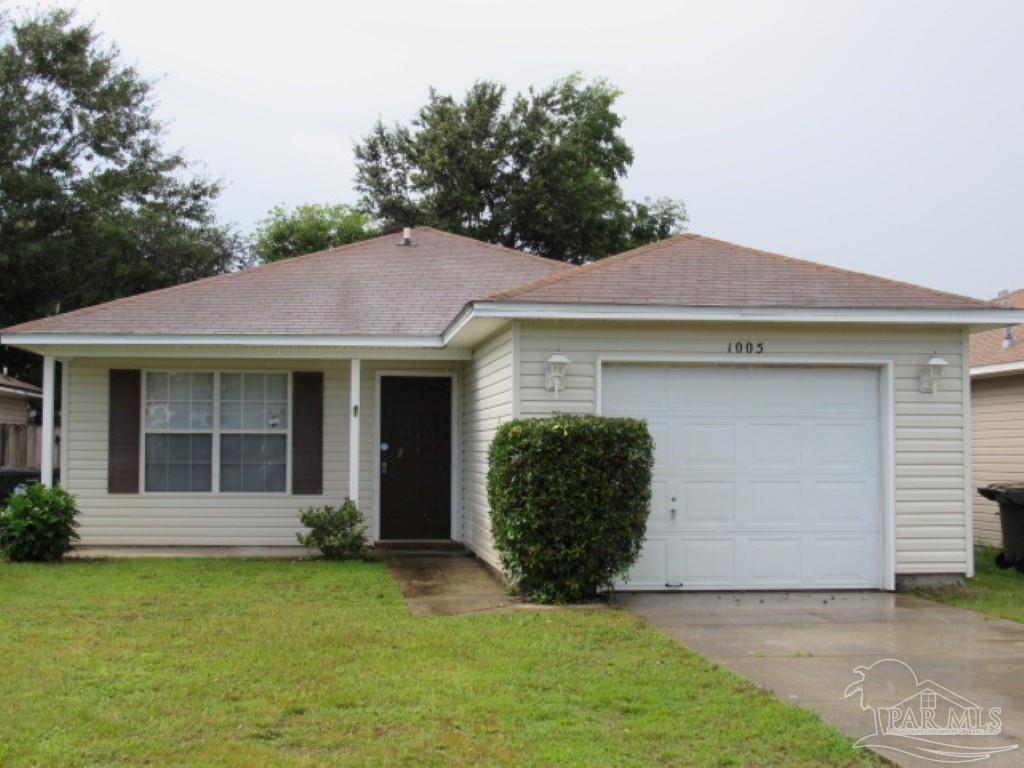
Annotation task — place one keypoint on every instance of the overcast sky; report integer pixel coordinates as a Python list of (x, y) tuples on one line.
[(886, 137)]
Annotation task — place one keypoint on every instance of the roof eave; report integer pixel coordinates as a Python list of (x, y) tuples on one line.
[(997, 369)]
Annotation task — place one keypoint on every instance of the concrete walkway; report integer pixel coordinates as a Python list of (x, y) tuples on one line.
[(804, 647), (445, 585)]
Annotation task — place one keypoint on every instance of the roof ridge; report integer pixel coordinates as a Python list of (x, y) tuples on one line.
[(504, 249), (581, 268), (842, 270)]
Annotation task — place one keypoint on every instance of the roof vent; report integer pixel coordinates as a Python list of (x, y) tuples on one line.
[(407, 236), (1004, 302)]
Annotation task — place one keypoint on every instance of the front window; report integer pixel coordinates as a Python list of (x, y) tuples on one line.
[(209, 431)]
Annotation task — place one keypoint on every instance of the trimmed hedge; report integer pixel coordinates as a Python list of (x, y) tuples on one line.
[(38, 524), (569, 499)]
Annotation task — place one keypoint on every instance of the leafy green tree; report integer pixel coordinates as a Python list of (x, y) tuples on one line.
[(541, 173), (306, 228), (91, 206)]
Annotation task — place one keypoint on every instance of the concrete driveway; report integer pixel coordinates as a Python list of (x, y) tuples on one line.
[(805, 646)]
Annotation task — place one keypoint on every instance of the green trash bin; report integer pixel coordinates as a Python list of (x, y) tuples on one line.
[(1010, 497)]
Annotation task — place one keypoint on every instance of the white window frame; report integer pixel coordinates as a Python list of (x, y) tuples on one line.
[(215, 434)]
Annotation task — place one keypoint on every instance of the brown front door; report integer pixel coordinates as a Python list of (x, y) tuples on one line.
[(415, 457)]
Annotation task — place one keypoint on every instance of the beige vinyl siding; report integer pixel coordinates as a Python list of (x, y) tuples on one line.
[(997, 426), (487, 389), (931, 524), (13, 410), (190, 518)]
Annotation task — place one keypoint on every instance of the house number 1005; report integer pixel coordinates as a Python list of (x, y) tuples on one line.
[(746, 347)]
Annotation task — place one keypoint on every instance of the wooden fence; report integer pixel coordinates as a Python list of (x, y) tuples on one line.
[(19, 445)]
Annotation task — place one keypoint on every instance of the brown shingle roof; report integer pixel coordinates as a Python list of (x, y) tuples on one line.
[(987, 347), (692, 270), (375, 287)]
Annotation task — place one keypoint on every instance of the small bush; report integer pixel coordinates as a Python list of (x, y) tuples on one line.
[(38, 524), (569, 500), (338, 532)]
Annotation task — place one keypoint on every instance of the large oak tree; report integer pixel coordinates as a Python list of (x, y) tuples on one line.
[(92, 207), (541, 172)]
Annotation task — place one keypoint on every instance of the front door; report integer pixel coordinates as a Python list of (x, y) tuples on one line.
[(415, 457)]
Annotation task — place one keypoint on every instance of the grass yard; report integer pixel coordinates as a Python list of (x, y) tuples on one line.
[(248, 662), (993, 591)]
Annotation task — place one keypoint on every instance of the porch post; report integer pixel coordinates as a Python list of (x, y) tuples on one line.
[(46, 440), (353, 430)]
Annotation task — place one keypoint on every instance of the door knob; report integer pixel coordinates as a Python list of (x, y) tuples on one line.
[(383, 467)]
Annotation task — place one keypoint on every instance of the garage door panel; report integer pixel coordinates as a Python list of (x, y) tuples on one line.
[(844, 503), (651, 569), (774, 474), (696, 391), (708, 445), (708, 503), (773, 504), (773, 561), (840, 561), (773, 446), (849, 447), (708, 563)]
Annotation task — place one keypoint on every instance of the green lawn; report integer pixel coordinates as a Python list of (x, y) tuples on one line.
[(232, 662), (993, 591)]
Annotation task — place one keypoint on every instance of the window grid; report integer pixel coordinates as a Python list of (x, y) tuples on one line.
[(216, 432)]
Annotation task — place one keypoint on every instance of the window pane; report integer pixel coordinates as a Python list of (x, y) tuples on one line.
[(276, 478), (231, 478), (178, 415), (157, 416), (277, 386), (252, 478), (275, 448), (254, 463), (231, 415), (231, 449), (202, 386), (178, 386), (177, 462), (277, 415), (231, 386), (202, 416), (253, 387), (254, 416), (156, 386)]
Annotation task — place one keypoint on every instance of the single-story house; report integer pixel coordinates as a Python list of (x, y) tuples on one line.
[(810, 422), (17, 398), (997, 403)]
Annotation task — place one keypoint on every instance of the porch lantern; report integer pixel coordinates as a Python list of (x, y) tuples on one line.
[(931, 374), (554, 372)]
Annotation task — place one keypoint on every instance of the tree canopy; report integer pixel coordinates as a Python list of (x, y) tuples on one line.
[(91, 206), (284, 232), (541, 173)]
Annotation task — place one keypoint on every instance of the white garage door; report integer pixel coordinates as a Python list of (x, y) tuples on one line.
[(764, 478)]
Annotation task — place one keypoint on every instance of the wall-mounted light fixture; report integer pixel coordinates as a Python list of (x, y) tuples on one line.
[(554, 372), (931, 374)]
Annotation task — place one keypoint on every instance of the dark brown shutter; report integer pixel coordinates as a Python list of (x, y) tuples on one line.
[(307, 433), (125, 427)]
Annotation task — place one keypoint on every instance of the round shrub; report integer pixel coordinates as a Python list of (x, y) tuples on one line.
[(338, 532), (38, 524), (569, 500)]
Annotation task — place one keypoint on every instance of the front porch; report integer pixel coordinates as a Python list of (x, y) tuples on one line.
[(389, 430)]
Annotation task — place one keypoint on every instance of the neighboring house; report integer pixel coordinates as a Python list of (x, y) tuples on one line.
[(808, 434), (16, 399), (997, 425)]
